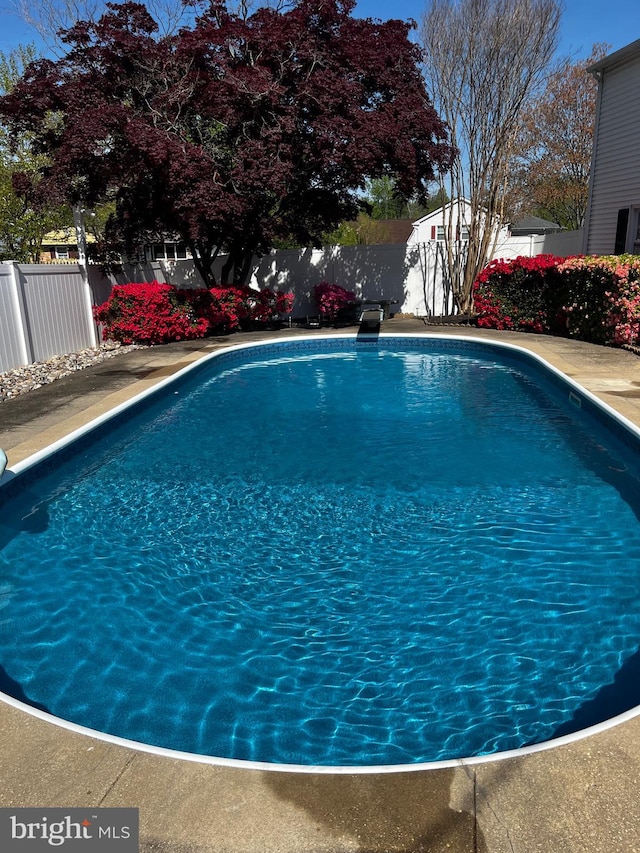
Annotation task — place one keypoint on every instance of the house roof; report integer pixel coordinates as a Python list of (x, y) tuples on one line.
[(64, 237), (534, 225), (438, 212), (395, 230), (382, 232), (617, 58)]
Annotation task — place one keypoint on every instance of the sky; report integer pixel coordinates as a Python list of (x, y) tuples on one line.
[(585, 22)]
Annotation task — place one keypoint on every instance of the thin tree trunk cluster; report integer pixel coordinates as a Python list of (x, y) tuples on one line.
[(483, 59)]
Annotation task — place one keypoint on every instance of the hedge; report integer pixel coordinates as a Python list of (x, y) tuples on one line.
[(593, 298), (157, 313)]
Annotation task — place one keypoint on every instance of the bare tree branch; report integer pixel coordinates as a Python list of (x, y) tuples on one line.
[(483, 59), (51, 17)]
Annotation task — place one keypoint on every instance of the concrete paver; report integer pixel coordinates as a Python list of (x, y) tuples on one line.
[(580, 797), (574, 798)]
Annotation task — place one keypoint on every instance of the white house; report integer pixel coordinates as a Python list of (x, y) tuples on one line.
[(612, 223), (449, 221), (531, 236)]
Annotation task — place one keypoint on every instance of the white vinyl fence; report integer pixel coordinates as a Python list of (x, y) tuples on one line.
[(45, 309), (413, 274), (43, 312)]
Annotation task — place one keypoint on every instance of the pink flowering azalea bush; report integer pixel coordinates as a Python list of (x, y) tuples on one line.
[(593, 298), (523, 293), (331, 299), (603, 304), (156, 313)]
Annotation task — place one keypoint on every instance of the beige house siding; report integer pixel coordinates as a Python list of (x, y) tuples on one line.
[(615, 173)]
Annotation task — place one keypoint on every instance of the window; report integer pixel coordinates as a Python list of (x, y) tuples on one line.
[(169, 251), (62, 253), (463, 235), (628, 231)]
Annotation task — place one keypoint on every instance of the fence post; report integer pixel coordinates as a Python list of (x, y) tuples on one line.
[(20, 314), (81, 238)]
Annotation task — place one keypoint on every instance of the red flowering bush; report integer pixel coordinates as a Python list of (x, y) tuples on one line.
[(523, 293), (331, 299), (242, 306), (157, 313), (268, 305), (593, 298), (152, 313), (230, 306)]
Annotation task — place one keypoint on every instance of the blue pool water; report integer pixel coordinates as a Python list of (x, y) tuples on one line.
[(337, 554)]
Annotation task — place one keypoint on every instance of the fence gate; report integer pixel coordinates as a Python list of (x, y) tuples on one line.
[(432, 268)]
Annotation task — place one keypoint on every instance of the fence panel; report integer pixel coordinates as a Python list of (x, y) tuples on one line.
[(12, 348), (55, 308), (382, 272), (563, 244), (429, 290)]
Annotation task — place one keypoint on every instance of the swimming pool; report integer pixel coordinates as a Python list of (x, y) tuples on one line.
[(331, 560)]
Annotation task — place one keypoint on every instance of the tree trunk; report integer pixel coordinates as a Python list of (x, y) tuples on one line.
[(237, 267), (242, 271), (226, 269), (483, 59), (203, 259)]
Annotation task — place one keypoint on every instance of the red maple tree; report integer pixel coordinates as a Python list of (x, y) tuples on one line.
[(233, 132)]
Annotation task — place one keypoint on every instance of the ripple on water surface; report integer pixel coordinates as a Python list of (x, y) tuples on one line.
[(355, 559)]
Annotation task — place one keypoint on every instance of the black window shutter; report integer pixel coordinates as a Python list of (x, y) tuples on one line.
[(621, 231)]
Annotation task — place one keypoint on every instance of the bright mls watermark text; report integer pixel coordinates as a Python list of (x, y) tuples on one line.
[(70, 830)]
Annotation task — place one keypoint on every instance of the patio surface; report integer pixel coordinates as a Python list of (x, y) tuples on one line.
[(581, 797)]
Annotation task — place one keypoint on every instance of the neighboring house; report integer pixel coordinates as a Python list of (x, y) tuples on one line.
[(612, 223), (531, 236), (434, 226), (168, 250), (393, 231), (62, 247), (366, 231), (534, 225)]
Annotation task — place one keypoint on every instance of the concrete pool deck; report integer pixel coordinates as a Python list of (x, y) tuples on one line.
[(580, 797)]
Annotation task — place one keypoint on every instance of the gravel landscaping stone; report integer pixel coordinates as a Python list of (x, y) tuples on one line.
[(21, 380)]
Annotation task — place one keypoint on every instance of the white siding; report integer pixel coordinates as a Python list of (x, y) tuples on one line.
[(615, 181), (444, 217)]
